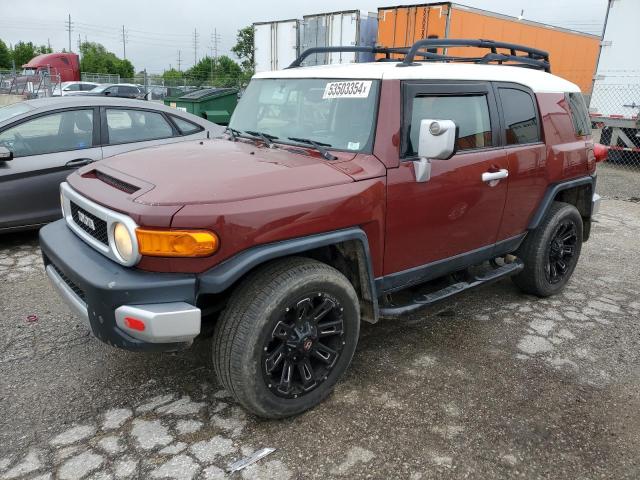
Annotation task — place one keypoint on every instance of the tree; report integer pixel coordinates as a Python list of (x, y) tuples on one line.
[(23, 52), (244, 48), (97, 59), (5, 56), (223, 72)]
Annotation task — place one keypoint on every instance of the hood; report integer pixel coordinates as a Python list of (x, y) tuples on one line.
[(216, 171)]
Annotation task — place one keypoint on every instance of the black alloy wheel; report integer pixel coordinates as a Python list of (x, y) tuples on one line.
[(562, 251), (304, 346)]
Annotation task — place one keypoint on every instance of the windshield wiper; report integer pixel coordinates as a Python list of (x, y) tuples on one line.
[(318, 146), (233, 132), (266, 138)]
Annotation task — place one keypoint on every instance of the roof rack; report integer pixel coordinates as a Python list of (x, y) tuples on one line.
[(426, 51), (354, 49)]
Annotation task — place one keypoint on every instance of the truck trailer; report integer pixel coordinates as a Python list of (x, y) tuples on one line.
[(615, 101), (573, 54)]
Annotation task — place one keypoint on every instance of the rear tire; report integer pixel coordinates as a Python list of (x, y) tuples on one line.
[(288, 333), (550, 252)]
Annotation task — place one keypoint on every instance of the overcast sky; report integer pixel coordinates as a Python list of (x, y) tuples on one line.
[(156, 30)]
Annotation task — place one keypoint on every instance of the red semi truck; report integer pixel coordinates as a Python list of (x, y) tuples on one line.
[(66, 65)]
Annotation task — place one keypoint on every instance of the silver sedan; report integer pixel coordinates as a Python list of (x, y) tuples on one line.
[(42, 141)]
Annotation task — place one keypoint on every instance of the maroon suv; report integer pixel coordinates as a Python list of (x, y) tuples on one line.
[(342, 193)]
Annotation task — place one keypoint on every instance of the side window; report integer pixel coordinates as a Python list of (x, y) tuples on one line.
[(127, 126), (579, 113), (57, 132), (113, 91), (74, 87), (87, 86), (470, 113), (521, 120), (186, 127)]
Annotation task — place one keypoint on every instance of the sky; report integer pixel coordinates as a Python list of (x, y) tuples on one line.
[(155, 31)]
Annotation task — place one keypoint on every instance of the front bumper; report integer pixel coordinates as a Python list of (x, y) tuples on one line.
[(107, 295)]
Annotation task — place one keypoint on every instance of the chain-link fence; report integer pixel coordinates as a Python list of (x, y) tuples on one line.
[(40, 84), (614, 110)]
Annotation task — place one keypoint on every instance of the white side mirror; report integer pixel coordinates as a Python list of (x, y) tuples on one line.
[(437, 139)]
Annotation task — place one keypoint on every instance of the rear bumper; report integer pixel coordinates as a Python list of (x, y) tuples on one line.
[(595, 204), (108, 296)]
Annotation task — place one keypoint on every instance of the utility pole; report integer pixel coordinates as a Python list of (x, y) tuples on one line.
[(79, 42), (195, 46), (124, 44), (49, 43), (215, 38), (69, 28), (179, 60)]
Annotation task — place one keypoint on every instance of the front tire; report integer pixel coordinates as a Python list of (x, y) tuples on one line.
[(550, 253), (287, 335)]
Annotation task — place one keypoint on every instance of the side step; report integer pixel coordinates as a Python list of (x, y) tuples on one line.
[(425, 300)]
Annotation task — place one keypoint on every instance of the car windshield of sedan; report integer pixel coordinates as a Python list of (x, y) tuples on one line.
[(334, 113)]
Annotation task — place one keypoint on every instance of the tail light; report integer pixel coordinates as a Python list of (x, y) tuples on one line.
[(601, 152)]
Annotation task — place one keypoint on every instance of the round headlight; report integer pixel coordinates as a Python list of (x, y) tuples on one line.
[(124, 242)]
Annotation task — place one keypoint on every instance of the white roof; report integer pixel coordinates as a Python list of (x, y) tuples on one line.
[(537, 80)]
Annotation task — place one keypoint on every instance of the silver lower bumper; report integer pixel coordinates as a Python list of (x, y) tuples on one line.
[(595, 204), (69, 296), (163, 322)]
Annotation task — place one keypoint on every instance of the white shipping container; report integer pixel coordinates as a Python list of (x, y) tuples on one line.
[(337, 29), (276, 44), (616, 90)]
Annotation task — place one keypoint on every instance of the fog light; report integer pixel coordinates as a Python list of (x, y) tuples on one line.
[(123, 241)]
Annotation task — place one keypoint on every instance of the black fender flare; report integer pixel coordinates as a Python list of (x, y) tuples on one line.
[(222, 276), (552, 192)]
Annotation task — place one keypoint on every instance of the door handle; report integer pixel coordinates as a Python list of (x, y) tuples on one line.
[(79, 162), (492, 176)]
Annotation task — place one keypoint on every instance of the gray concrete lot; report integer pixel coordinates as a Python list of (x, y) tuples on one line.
[(493, 384)]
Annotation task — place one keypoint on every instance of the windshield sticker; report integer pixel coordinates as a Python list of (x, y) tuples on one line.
[(353, 146), (350, 89)]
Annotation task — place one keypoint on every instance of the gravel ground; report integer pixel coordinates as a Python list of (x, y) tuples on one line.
[(619, 182), (493, 384)]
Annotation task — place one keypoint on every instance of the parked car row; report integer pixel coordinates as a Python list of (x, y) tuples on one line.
[(43, 140)]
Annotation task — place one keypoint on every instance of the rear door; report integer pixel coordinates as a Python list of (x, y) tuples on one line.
[(46, 149), (456, 214), (526, 156)]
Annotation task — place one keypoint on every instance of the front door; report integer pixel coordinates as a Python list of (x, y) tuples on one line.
[(46, 150), (457, 211)]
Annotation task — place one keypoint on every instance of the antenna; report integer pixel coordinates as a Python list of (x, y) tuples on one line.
[(521, 16)]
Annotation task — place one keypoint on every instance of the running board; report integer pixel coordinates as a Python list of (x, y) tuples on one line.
[(425, 300)]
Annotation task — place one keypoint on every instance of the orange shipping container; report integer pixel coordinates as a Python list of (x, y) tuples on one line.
[(573, 55)]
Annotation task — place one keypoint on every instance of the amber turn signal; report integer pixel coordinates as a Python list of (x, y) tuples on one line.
[(177, 243)]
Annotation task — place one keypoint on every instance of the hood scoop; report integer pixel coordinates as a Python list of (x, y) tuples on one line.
[(112, 181)]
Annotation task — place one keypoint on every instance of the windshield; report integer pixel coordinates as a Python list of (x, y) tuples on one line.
[(13, 110), (29, 71), (338, 114)]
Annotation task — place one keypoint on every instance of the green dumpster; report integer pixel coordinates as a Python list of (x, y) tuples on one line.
[(214, 104)]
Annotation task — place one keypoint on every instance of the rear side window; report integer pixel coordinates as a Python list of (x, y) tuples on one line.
[(186, 127), (136, 126), (469, 112), (579, 113), (520, 117)]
